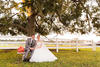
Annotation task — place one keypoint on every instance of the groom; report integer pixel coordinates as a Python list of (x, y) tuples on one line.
[(29, 48)]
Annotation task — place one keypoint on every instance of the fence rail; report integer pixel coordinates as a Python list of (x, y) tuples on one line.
[(56, 42)]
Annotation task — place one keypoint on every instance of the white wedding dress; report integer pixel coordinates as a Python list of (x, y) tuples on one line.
[(42, 54)]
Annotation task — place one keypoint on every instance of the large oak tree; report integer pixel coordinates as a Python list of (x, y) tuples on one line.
[(45, 16)]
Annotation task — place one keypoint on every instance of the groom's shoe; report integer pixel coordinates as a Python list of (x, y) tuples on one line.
[(26, 60)]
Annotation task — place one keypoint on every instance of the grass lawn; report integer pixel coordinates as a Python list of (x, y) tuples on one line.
[(66, 58), (52, 45)]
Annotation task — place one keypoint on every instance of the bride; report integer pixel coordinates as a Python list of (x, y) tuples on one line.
[(42, 53)]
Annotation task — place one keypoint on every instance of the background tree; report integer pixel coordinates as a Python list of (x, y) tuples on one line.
[(45, 16)]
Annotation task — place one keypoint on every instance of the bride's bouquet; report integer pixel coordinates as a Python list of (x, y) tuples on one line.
[(20, 50)]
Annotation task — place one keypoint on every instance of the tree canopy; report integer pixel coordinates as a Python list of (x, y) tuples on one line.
[(44, 16)]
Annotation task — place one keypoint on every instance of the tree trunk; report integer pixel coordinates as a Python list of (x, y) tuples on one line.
[(31, 19), (31, 25)]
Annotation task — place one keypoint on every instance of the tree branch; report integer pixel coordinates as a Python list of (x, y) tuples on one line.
[(16, 14), (87, 13), (19, 27), (98, 3)]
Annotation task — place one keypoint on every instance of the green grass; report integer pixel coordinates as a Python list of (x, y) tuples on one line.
[(66, 58)]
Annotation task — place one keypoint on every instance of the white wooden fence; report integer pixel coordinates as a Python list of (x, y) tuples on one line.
[(56, 42)]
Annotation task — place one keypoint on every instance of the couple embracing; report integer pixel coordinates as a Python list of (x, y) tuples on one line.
[(37, 51)]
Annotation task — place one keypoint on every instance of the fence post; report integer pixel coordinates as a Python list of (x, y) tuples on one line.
[(93, 46), (76, 44), (56, 45)]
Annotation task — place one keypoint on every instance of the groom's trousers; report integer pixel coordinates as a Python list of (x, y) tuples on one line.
[(25, 55)]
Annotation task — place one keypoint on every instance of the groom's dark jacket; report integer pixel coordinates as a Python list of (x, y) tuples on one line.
[(30, 43)]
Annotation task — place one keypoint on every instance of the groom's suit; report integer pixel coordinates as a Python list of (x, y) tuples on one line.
[(30, 43)]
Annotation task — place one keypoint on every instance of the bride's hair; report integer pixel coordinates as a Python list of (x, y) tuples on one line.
[(38, 36)]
